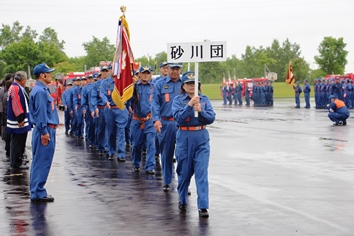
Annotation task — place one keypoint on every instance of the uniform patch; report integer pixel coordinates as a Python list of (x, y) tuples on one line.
[(166, 87)]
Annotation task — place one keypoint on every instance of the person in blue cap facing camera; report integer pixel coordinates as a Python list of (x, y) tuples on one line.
[(338, 112), (141, 126), (192, 142), (307, 90), (44, 116), (165, 125), (77, 105), (298, 91), (163, 72)]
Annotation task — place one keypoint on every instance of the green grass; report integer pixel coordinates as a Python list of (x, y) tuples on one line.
[(281, 90)]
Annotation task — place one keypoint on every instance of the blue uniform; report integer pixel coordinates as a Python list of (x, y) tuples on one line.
[(247, 96), (298, 91), (271, 94), (192, 147), (44, 116), (307, 90), (142, 126), (85, 101), (238, 94), (78, 112), (224, 94), (338, 112), (157, 145), (164, 92), (97, 103), (350, 95), (262, 90), (67, 118), (116, 120), (71, 109)]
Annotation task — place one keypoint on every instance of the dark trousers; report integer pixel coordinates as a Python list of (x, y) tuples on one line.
[(17, 148)]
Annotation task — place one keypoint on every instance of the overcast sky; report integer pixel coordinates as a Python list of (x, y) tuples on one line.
[(155, 23)]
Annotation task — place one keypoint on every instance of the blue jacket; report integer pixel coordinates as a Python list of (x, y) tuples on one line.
[(307, 88), (42, 108), (106, 90), (142, 99), (65, 97), (17, 110), (184, 114), (96, 98), (86, 96), (164, 92), (77, 96)]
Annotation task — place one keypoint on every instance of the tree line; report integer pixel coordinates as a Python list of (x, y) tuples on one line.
[(22, 48)]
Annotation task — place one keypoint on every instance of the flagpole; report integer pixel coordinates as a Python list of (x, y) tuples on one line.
[(196, 84)]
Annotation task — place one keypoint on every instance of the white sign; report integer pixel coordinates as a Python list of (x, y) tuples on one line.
[(196, 52)]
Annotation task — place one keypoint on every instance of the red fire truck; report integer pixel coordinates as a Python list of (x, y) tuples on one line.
[(62, 81), (346, 76)]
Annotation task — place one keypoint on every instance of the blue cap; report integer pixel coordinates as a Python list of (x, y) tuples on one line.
[(298, 82), (95, 75), (104, 68), (332, 96), (74, 79), (189, 76), (90, 76), (171, 65), (306, 80), (145, 68), (109, 66), (42, 68), (163, 64)]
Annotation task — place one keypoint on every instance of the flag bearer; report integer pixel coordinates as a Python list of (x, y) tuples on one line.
[(142, 126)]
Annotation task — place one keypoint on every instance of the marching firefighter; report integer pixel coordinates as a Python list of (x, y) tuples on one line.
[(142, 126), (192, 142)]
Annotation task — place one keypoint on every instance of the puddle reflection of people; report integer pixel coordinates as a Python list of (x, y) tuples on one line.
[(17, 189), (39, 221)]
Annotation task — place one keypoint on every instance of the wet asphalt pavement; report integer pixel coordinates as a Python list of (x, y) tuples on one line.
[(272, 171)]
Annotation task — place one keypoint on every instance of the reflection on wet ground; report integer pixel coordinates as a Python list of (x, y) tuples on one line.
[(273, 171)]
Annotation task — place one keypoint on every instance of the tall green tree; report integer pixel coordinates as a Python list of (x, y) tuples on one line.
[(19, 55), (49, 36), (301, 69), (209, 72), (282, 55), (332, 56), (98, 50), (10, 34)]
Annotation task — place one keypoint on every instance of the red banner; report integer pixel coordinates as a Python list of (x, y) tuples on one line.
[(290, 79)]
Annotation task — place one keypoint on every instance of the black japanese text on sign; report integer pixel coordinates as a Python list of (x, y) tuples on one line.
[(196, 52)]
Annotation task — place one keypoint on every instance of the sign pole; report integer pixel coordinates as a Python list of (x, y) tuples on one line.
[(196, 84)]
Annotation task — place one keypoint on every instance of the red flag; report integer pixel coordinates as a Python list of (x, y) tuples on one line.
[(123, 66), (290, 79)]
